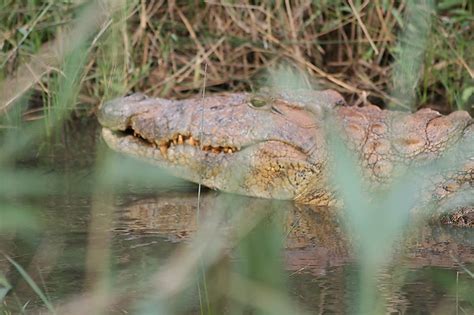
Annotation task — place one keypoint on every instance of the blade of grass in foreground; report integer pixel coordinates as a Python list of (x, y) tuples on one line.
[(31, 283), (410, 53), (5, 287)]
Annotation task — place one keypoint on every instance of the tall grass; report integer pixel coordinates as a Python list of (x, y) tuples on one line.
[(56, 56)]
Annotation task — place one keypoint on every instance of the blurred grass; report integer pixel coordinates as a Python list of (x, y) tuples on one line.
[(160, 47)]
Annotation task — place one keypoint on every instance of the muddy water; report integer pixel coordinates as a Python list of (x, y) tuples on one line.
[(145, 225)]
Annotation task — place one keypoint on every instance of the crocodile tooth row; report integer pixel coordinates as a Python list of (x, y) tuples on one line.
[(181, 139)]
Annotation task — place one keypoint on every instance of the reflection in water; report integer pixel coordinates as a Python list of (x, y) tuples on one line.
[(317, 252), (321, 266), (315, 237)]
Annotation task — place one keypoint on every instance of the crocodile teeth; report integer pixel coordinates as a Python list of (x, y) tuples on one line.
[(163, 150), (165, 144)]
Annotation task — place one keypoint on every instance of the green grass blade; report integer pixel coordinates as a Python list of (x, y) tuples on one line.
[(5, 287), (31, 283)]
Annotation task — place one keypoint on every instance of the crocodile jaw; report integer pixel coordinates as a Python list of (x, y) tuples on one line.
[(184, 160), (250, 171)]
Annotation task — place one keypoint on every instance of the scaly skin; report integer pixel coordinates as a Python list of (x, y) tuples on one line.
[(277, 147)]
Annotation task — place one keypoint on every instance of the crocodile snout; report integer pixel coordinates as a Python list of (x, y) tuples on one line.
[(116, 114)]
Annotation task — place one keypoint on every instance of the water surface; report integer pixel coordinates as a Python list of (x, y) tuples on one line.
[(124, 236)]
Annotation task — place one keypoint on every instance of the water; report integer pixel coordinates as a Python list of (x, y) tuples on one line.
[(135, 231)]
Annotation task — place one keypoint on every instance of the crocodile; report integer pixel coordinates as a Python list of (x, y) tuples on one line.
[(278, 146)]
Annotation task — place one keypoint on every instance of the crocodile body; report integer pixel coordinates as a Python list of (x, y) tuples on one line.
[(277, 147)]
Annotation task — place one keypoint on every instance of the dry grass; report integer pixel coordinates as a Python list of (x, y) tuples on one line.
[(160, 47)]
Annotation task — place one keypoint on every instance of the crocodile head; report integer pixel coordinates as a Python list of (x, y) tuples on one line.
[(240, 143)]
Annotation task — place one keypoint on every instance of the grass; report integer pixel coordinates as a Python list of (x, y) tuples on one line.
[(61, 59), (349, 46), (32, 284)]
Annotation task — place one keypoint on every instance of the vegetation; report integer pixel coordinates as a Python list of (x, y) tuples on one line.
[(61, 59), (160, 48)]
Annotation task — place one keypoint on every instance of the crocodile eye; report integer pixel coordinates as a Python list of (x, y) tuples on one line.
[(258, 102)]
